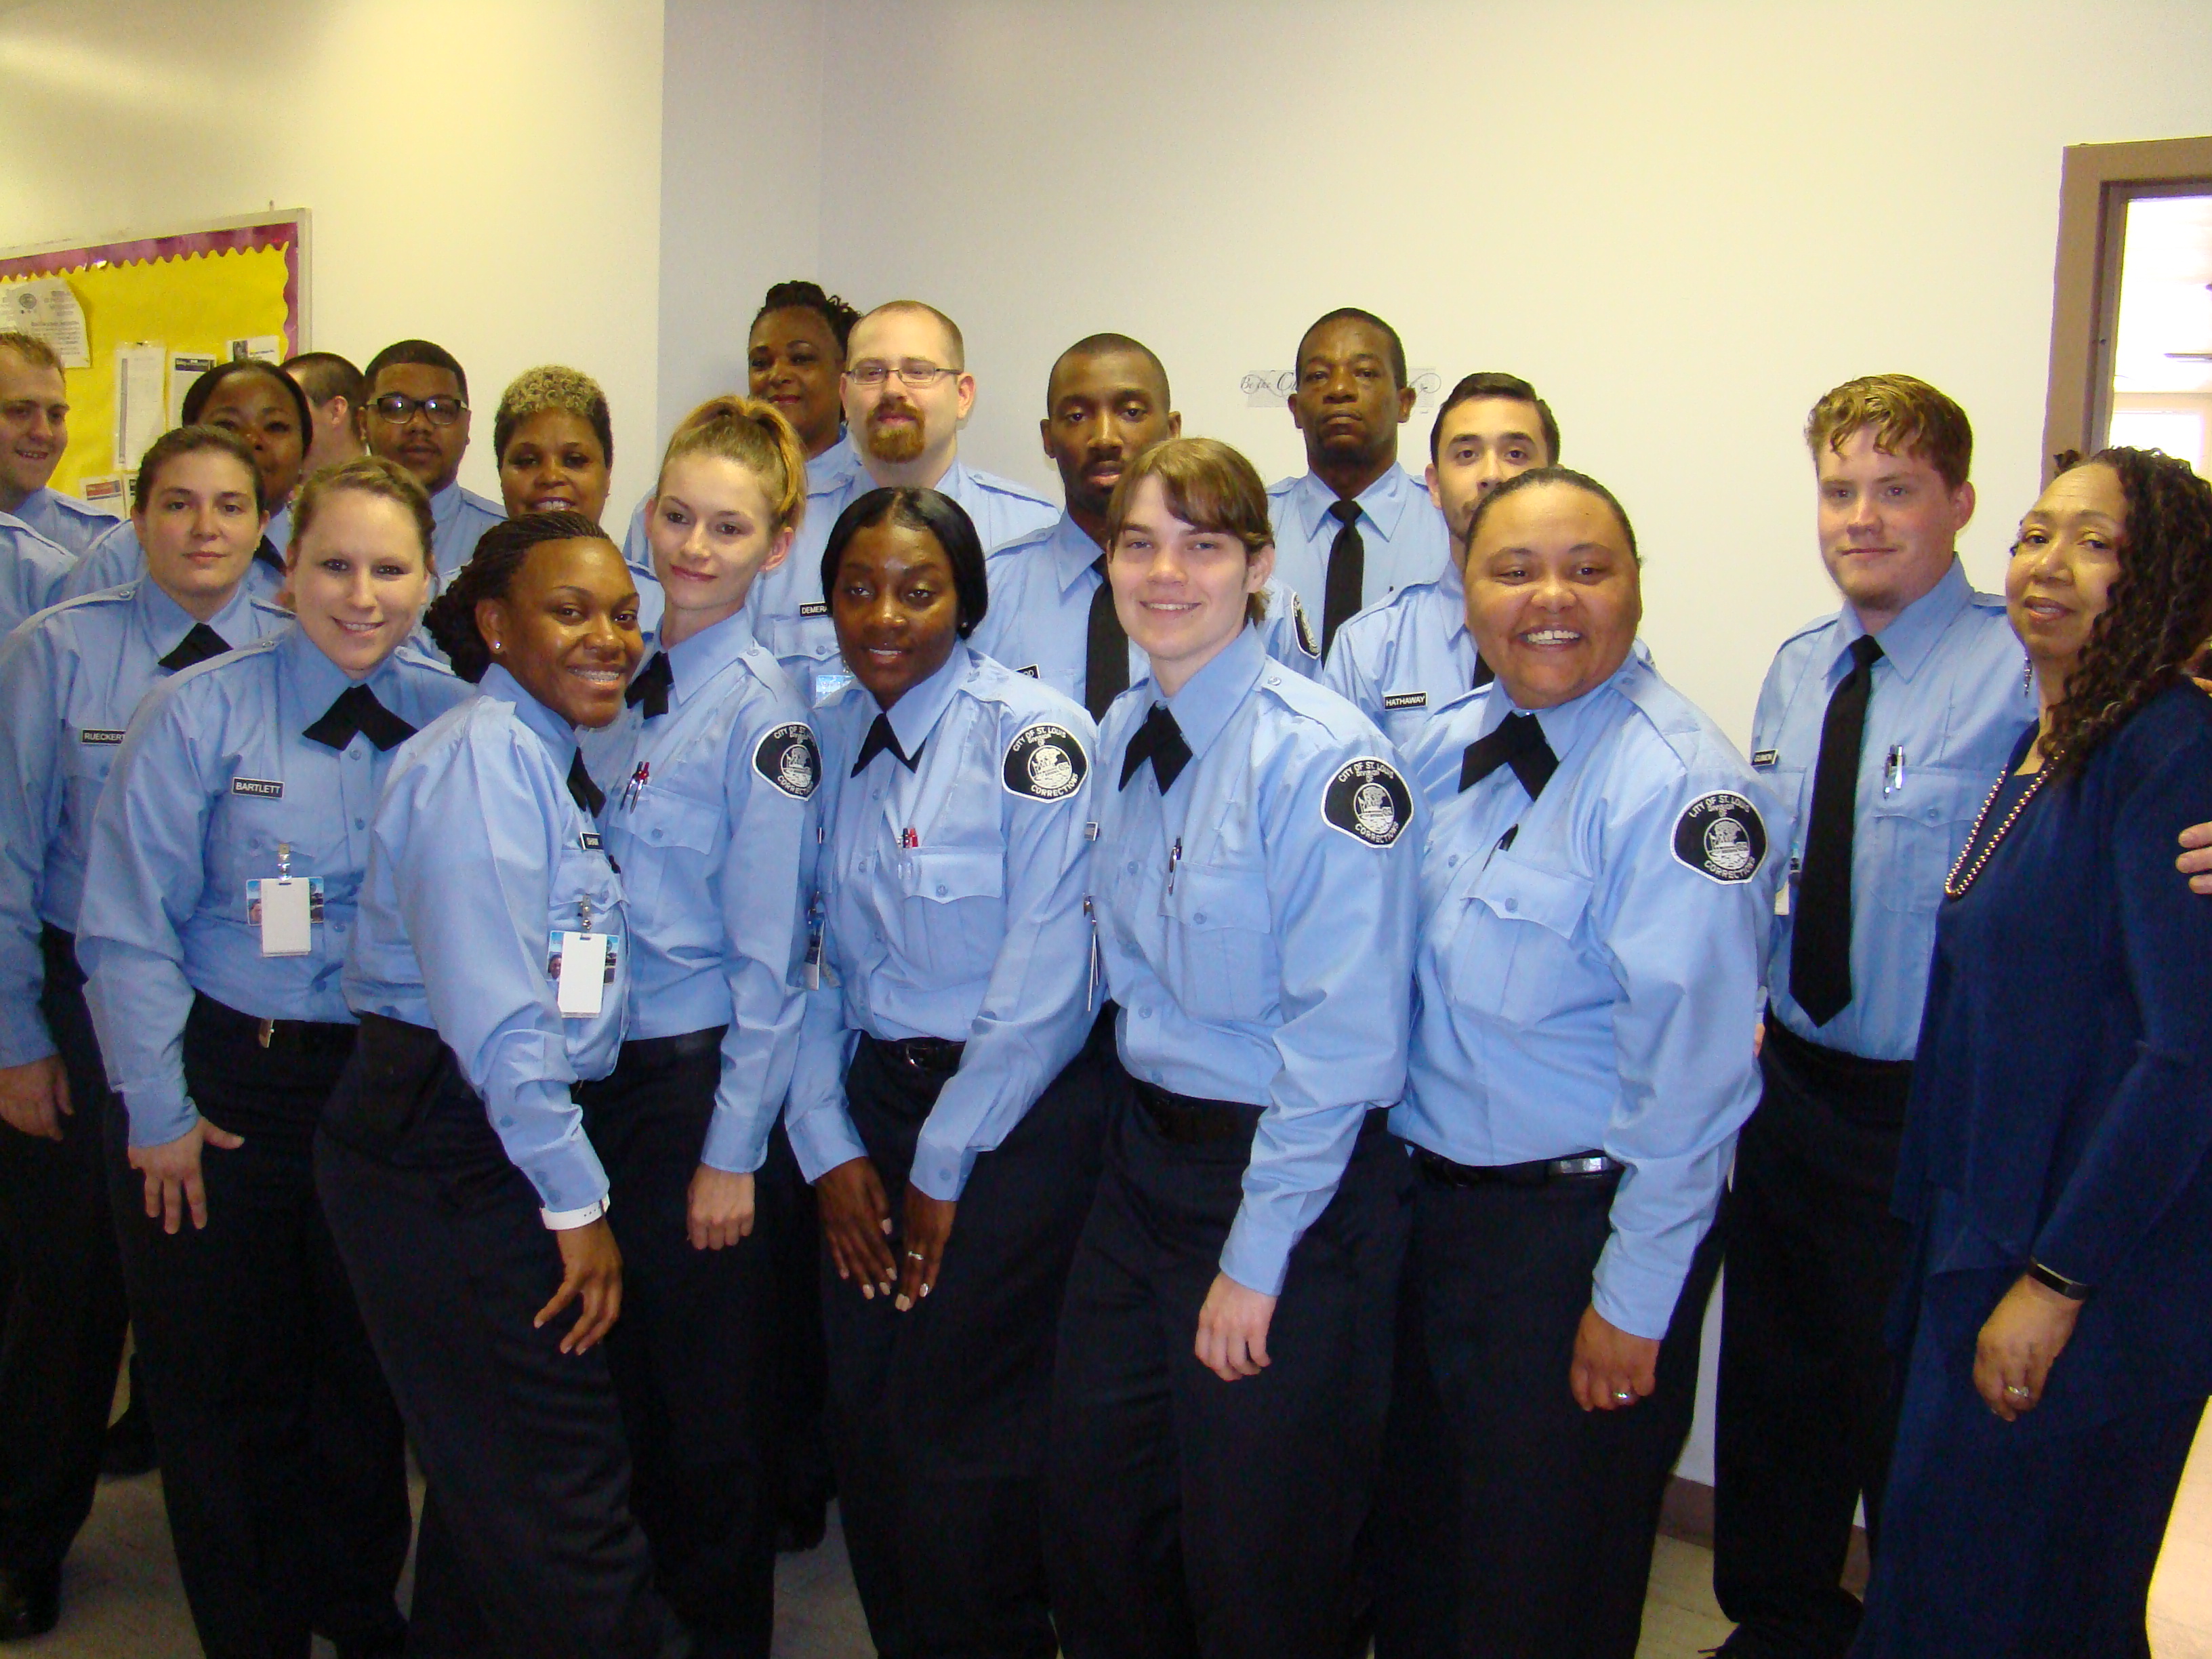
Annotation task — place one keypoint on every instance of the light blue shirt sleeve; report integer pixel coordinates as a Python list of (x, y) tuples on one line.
[(31, 572), (475, 891), (31, 785)]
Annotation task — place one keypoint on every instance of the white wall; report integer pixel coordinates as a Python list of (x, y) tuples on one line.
[(484, 173)]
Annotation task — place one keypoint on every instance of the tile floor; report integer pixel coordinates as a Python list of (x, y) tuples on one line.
[(121, 1598)]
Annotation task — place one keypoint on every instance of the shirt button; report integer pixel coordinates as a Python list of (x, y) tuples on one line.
[(507, 1122), (656, 835), (1144, 1013), (1199, 918), (1132, 869), (1452, 861), (940, 890), (360, 823), (1513, 904)]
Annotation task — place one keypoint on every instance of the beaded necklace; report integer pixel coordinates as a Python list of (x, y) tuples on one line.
[(1955, 884)]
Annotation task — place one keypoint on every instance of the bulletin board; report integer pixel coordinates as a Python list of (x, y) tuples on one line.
[(156, 311)]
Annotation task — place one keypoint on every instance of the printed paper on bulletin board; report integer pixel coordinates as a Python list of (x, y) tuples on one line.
[(201, 293)]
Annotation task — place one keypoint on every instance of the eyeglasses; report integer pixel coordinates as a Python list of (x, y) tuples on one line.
[(396, 408), (913, 372)]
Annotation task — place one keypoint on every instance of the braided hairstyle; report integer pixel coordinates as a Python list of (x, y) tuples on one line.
[(2159, 614), (489, 575), (802, 295)]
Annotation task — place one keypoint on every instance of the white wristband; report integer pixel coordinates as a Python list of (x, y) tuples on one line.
[(562, 1220)]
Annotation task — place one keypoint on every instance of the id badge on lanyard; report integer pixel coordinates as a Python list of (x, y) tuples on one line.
[(581, 964), (285, 911)]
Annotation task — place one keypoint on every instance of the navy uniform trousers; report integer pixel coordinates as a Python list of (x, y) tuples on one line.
[(283, 1467), (528, 1549), (1807, 1405), (937, 1416), (2033, 1540), (1190, 1516), (1512, 1524), (694, 1355), (62, 1339)]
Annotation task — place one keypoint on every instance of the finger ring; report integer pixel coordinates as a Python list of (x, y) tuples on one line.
[(915, 1255), (2015, 1391), (1622, 1396)]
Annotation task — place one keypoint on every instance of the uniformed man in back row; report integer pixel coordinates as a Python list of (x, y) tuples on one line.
[(1052, 610), (34, 409), (907, 391), (1403, 659), (1595, 885), (415, 414), (336, 391), (1355, 526)]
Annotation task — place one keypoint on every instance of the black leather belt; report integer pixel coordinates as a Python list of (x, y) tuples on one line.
[(1582, 1166), (932, 1056), (1189, 1121), (288, 1037)]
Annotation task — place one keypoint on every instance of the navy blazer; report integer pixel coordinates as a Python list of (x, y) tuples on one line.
[(2063, 1093)]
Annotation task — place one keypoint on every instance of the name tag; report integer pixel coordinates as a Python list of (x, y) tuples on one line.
[(267, 788), (1765, 756), (581, 967), (819, 607), (286, 913), (589, 841), (91, 736), (1407, 700)]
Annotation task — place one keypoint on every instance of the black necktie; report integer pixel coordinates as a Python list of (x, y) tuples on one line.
[(1347, 572), (652, 686), (1106, 650), (1484, 673), (357, 709), (1519, 743), (197, 645), (268, 555), (881, 737), (585, 793), (1158, 740), (1820, 943)]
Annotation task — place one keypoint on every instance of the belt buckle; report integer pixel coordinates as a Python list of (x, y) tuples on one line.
[(267, 1030), (1596, 1163)]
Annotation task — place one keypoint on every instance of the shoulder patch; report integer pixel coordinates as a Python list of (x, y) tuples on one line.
[(1307, 643), (1720, 837), (1045, 763), (787, 757), (1368, 801)]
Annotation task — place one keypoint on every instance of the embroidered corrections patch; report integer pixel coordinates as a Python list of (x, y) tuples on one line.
[(1407, 700), (269, 788), (1306, 642), (1045, 763), (1368, 801), (1720, 836), (786, 756)]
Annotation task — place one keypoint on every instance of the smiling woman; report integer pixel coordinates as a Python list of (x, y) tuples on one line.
[(490, 971), (555, 441)]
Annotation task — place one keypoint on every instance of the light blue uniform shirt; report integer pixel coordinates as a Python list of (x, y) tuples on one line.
[(790, 614), (217, 771), (117, 558), (72, 525), (1596, 985), (1257, 925), (455, 926), (1039, 620), (459, 518), (32, 571), (1948, 699), (716, 841), (1403, 534), (69, 681), (972, 927), (1400, 661)]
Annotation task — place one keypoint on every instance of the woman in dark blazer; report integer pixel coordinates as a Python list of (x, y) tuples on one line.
[(2057, 1323)]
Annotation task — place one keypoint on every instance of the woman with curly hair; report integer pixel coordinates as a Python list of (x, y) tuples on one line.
[(2054, 1169)]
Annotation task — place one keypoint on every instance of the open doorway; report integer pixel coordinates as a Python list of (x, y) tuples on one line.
[(2131, 325)]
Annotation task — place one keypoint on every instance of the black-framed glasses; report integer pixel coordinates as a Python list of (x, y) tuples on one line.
[(396, 408), (913, 372)]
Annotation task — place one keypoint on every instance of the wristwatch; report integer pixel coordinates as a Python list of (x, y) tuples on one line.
[(562, 1220)]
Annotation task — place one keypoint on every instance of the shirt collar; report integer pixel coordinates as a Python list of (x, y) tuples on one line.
[(444, 504), (315, 681), (708, 653), (167, 622), (557, 735), (1453, 585), (1563, 724), (1211, 695), (915, 715), (1907, 641), (833, 468), (1071, 551), (1382, 503)]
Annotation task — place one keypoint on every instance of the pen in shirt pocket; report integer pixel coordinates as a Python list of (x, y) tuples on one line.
[(1892, 770)]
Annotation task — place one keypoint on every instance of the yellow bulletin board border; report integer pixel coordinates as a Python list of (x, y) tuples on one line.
[(190, 292)]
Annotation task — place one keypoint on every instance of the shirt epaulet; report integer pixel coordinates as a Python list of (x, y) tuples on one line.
[(999, 486)]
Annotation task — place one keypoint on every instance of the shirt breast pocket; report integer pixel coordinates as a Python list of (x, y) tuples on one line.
[(954, 908), (663, 821), (1221, 943), (1916, 833), (1515, 944), (584, 875), (85, 766)]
